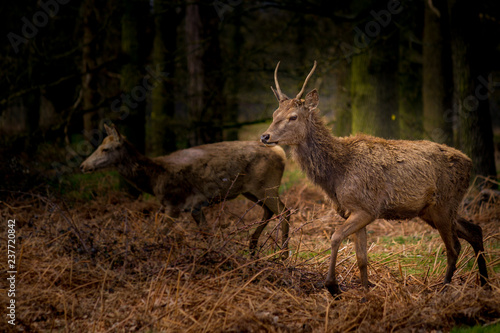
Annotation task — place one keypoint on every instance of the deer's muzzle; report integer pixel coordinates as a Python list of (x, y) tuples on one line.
[(86, 169), (264, 138)]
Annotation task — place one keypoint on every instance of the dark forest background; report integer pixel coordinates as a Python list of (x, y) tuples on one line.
[(175, 74)]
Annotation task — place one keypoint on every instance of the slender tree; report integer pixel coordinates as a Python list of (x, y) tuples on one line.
[(90, 93), (233, 81), (343, 112), (410, 73), (374, 91), (161, 125), (206, 102), (134, 92), (437, 74), (471, 100)]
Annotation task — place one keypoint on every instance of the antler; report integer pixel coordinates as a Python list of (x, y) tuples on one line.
[(278, 92), (305, 82)]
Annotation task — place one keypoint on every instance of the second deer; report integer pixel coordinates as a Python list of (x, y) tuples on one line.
[(368, 178), (191, 179)]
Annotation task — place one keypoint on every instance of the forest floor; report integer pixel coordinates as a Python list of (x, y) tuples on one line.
[(115, 264)]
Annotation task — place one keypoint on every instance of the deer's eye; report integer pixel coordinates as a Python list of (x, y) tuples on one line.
[(294, 117), (105, 150)]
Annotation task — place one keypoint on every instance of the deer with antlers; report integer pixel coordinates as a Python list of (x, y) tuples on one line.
[(190, 179), (370, 178)]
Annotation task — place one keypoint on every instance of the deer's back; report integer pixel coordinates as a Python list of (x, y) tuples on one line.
[(227, 169), (399, 178)]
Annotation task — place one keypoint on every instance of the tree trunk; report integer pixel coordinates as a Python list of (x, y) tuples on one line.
[(90, 94), (475, 131), (437, 75), (162, 127), (233, 82), (343, 113), (410, 77), (374, 90), (206, 104), (134, 92), (32, 107), (133, 108)]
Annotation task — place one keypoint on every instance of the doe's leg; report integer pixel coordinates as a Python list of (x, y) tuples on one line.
[(170, 215), (274, 203), (271, 205), (199, 217), (201, 221), (254, 238)]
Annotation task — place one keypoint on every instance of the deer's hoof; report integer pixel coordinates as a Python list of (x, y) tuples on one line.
[(285, 254), (252, 245), (368, 285), (334, 289), (484, 283)]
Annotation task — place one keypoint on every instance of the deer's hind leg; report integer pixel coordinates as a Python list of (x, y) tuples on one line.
[(274, 203), (254, 238), (362, 256), (473, 234), (271, 205), (443, 220)]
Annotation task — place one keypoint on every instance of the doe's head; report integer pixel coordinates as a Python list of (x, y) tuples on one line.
[(109, 153), (289, 119)]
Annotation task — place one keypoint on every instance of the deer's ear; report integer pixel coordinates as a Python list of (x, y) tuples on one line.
[(312, 100), (281, 98), (109, 130)]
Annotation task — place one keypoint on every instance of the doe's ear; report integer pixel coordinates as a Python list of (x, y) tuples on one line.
[(111, 130), (312, 100)]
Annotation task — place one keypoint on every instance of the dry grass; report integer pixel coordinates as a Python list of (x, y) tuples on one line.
[(117, 265)]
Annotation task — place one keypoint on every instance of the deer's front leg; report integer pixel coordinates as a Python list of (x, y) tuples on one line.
[(169, 215), (170, 211), (200, 219), (356, 221)]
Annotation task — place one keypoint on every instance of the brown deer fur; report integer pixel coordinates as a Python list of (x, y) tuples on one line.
[(190, 179), (369, 178)]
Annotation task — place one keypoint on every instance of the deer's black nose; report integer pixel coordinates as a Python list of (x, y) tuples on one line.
[(264, 138)]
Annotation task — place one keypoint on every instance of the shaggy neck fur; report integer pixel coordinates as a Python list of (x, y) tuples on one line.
[(139, 170), (322, 156)]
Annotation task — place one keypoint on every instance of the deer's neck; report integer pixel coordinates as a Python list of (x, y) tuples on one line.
[(140, 171), (322, 156)]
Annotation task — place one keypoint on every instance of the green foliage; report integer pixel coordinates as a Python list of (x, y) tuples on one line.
[(79, 187), (477, 329), (494, 245), (408, 240), (290, 178), (417, 260)]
